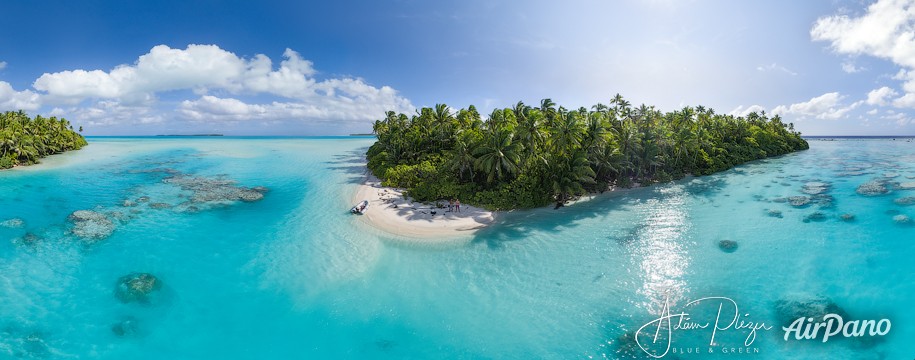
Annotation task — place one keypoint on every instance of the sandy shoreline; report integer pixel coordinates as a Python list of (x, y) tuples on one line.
[(415, 220), (390, 212)]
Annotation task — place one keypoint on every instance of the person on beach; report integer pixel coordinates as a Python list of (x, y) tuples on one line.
[(457, 205), (451, 205)]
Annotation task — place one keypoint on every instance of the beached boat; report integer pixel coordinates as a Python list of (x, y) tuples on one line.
[(360, 207)]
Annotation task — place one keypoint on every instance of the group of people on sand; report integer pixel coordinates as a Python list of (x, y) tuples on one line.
[(454, 205)]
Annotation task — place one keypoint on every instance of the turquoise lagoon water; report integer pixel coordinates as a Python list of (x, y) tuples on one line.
[(294, 276)]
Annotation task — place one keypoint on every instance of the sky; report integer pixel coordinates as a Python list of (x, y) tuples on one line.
[(839, 67)]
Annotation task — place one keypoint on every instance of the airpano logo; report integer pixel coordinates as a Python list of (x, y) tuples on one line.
[(834, 325), (656, 337)]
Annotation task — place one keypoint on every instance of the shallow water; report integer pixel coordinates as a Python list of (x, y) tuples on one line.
[(295, 276)]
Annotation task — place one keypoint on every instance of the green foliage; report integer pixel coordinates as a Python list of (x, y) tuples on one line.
[(7, 162), (24, 140), (445, 187), (408, 176), (523, 192), (523, 156)]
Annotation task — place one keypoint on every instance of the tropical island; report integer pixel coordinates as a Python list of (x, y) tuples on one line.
[(24, 140), (527, 157)]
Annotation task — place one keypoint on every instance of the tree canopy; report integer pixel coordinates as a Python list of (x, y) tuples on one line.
[(529, 156), (24, 140)]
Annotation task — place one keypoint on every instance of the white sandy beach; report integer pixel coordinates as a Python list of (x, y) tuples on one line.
[(390, 212)]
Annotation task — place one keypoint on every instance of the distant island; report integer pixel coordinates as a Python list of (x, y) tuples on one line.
[(525, 157), (190, 135), (24, 140)]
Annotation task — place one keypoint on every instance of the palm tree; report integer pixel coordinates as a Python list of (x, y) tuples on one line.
[(462, 159), (520, 111), (442, 120), (496, 120), (498, 157), (469, 119), (629, 145), (568, 175), (622, 106), (596, 132), (567, 131), (548, 108), (530, 132), (608, 163), (600, 108)]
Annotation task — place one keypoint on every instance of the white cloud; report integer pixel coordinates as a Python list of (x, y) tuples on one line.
[(886, 30), (110, 112), (741, 111), (2, 65), (775, 67), (129, 93), (872, 112), (901, 119), (211, 108), (199, 67), (11, 99), (57, 112), (879, 96), (826, 107), (851, 68), (905, 101), (203, 68), (162, 69)]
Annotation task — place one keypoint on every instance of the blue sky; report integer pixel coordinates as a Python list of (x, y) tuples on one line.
[(304, 68)]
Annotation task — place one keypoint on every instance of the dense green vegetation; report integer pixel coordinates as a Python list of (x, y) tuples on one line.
[(525, 156), (24, 140)]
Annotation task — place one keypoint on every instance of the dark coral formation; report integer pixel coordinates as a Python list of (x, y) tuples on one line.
[(824, 201), (799, 201), (816, 216), (873, 188), (137, 287), (728, 246), (815, 187), (215, 190), (126, 327), (28, 240), (160, 205), (13, 223), (91, 226)]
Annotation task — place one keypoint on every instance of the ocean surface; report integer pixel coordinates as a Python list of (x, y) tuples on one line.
[(295, 276)]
